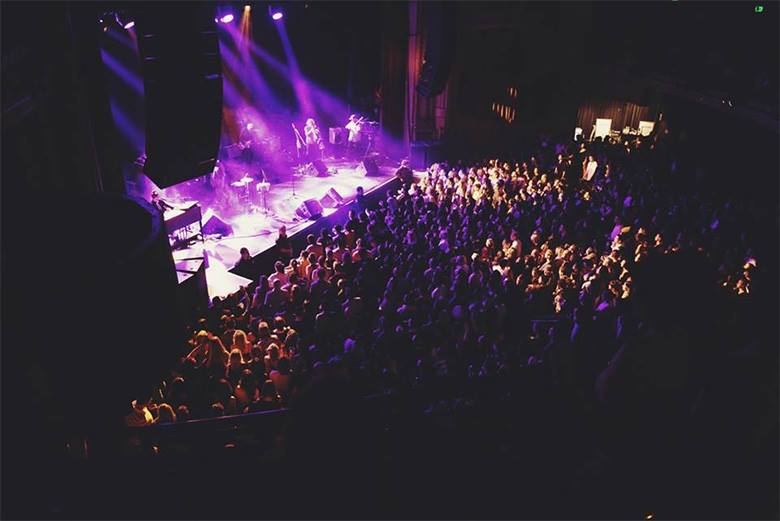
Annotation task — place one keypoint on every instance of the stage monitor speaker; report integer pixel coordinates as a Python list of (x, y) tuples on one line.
[(320, 167), (369, 167), (331, 199), (309, 209), (335, 195), (213, 225), (327, 201), (182, 72), (439, 46)]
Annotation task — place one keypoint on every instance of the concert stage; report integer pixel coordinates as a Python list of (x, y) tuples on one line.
[(254, 227)]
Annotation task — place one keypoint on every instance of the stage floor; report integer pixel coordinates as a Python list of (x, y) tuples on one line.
[(255, 229)]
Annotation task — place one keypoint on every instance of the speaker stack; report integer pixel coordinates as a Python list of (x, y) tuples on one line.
[(182, 72)]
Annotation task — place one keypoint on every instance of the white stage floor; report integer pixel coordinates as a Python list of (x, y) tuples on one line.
[(256, 230)]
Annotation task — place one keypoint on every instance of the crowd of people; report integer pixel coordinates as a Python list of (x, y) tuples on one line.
[(473, 271)]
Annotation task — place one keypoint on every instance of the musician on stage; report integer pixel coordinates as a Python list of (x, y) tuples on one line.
[(314, 144), (160, 203), (246, 143), (355, 125)]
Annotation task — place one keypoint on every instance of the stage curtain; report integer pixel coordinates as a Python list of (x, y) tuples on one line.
[(425, 118), (414, 58), (622, 113), (440, 111), (392, 93), (633, 114)]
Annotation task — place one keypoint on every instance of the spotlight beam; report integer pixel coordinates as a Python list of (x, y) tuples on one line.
[(298, 81), (325, 102), (132, 80), (250, 78)]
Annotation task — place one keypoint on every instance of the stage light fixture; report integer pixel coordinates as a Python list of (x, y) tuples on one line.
[(105, 23), (276, 13), (247, 7), (227, 18), (123, 20), (108, 19)]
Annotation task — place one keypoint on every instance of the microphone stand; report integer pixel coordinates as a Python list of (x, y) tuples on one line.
[(298, 146)]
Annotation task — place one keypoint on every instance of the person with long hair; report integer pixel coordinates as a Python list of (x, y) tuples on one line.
[(241, 343), (217, 358), (235, 366), (314, 144), (199, 353), (263, 335)]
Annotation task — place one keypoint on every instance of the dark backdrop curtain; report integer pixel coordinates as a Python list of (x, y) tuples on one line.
[(394, 47)]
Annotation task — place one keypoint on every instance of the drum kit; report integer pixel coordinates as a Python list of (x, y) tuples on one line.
[(263, 187), (248, 191)]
